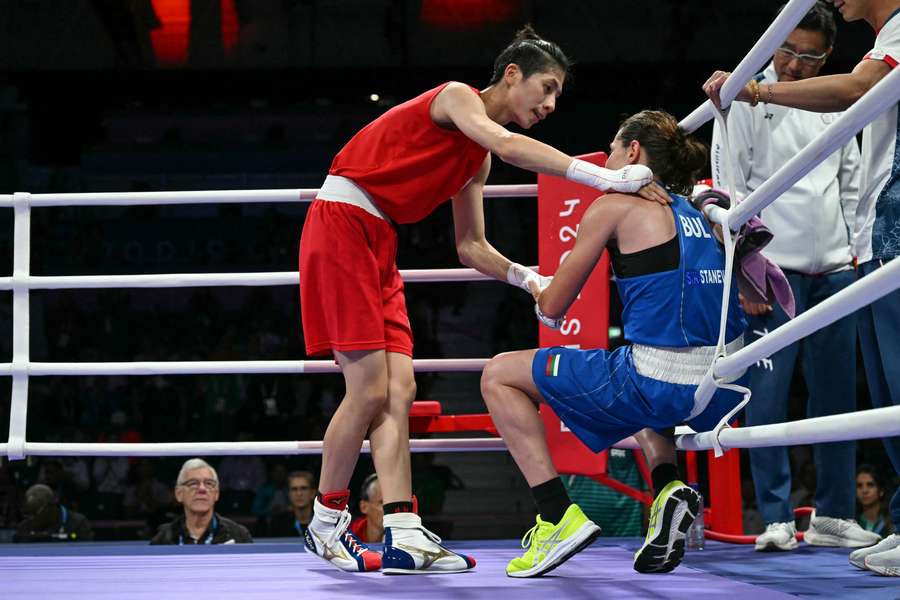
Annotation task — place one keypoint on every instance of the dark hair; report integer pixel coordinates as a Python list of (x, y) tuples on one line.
[(819, 18), (874, 473), (309, 477), (366, 484), (673, 157), (532, 54), (879, 480)]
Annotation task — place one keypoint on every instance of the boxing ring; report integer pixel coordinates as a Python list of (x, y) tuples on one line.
[(93, 570)]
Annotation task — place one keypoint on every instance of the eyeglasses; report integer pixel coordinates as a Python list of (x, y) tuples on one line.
[(809, 59), (193, 484)]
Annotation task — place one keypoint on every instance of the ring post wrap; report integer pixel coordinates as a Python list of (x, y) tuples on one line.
[(561, 206)]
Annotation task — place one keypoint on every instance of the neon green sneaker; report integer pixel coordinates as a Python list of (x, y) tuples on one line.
[(550, 545), (671, 515)]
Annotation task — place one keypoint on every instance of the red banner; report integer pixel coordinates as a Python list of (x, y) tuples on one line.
[(561, 205)]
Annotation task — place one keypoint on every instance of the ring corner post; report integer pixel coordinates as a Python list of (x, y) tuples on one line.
[(18, 412), (725, 499)]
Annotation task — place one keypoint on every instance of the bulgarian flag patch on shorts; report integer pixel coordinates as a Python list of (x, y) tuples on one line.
[(552, 365)]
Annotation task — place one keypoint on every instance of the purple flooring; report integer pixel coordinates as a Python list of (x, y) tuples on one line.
[(281, 571)]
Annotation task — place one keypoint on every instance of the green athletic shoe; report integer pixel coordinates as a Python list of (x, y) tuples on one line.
[(671, 515), (550, 545)]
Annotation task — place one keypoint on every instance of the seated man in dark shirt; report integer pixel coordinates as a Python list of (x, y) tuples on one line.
[(197, 489), (47, 521), (301, 493)]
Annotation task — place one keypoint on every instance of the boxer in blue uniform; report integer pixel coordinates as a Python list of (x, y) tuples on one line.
[(670, 271)]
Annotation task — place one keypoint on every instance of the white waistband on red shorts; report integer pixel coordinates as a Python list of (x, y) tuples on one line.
[(340, 189)]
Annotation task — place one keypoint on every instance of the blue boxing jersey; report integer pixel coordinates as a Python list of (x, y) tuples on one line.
[(682, 307)]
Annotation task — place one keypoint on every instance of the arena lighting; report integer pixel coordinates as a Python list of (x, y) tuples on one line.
[(468, 14)]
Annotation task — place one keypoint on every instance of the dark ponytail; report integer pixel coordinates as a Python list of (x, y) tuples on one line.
[(674, 157), (532, 54)]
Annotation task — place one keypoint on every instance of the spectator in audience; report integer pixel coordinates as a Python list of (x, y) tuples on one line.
[(301, 492), (812, 222), (272, 496), (870, 495), (369, 526), (110, 481), (197, 489), (147, 497), (69, 478), (48, 521)]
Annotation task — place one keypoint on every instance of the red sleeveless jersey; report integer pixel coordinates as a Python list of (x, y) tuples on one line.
[(406, 162)]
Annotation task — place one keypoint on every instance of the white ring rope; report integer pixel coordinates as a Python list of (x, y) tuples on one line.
[(237, 448), (179, 280), (223, 367), (867, 424), (851, 298), (217, 197), (761, 52)]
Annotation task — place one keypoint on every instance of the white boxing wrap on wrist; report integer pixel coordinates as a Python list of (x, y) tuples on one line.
[(547, 321), (628, 179), (521, 276)]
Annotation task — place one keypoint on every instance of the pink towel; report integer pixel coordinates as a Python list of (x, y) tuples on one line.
[(759, 279)]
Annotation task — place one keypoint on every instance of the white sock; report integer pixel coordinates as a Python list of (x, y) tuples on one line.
[(403, 520), (324, 518)]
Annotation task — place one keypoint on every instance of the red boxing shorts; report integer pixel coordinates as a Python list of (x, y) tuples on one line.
[(351, 293)]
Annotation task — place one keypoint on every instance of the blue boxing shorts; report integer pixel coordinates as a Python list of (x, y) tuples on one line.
[(602, 399)]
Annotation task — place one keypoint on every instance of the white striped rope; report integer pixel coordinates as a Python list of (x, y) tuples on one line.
[(853, 297), (180, 280), (216, 197), (245, 448), (223, 367), (860, 425), (866, 424)]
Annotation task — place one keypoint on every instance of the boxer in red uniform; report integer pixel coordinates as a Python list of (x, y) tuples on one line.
[(398, 169)]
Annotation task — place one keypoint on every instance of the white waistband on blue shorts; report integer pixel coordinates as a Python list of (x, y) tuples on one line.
[(340, 189), (682, 366)]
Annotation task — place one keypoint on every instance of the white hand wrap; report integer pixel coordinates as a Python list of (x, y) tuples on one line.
[(520, 276), (628, 179), (547, 321)]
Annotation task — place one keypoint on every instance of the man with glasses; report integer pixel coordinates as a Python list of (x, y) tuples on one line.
[(197, 489), (812, 222), (301, 493)]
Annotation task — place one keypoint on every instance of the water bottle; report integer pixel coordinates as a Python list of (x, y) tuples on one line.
[(695, 536)]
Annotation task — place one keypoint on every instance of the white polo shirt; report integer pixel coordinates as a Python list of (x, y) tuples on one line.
[(812, 220), (877, 232)]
